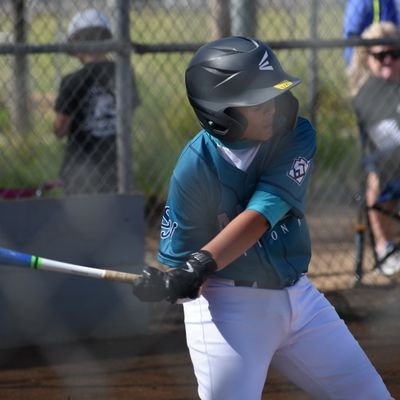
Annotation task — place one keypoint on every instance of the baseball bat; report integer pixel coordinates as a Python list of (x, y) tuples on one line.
[(15, 258)]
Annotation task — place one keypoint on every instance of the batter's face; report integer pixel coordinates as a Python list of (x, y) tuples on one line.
[(384, 62), (260, 120)]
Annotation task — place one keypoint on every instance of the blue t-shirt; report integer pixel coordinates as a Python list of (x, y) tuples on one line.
[(206, 192)]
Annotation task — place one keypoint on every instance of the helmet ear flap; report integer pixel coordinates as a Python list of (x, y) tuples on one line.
[(227, 126), (286, 111), (239, 124)]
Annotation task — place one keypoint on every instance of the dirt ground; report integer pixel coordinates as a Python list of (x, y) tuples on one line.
[(157, 366)]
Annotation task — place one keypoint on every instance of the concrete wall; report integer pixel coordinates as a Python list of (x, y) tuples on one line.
[(104, 231)]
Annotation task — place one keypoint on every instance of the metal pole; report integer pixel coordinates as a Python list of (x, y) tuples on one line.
[(124, 98), (21, 71), (221, 23), (313, 70), (243, 17)]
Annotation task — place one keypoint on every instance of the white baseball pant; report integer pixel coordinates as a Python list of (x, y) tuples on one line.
[(235, 333)]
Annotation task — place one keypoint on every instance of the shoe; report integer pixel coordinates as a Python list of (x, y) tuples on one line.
[(391, 265)]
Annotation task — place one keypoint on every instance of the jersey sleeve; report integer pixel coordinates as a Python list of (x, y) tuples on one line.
[(272, 207), (185, 225), (287, 174)]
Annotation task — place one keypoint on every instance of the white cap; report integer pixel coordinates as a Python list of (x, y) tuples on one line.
[(90, 18)]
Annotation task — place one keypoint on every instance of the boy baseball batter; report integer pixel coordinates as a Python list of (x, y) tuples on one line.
[(236, 240)]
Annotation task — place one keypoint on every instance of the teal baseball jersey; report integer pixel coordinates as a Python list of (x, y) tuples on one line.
[(207, 191)]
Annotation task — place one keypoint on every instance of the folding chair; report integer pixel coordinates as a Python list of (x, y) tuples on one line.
[(363, 228)]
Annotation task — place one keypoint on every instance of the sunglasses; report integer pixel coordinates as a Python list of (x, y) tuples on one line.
[(380, 56)]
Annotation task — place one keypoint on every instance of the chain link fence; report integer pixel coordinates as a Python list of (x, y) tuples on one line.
[(34, 58)]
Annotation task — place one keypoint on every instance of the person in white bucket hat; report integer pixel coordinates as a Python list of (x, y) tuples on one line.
[(88, 24), (86, 111)]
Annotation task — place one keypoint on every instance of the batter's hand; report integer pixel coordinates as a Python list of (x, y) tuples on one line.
[(177, 283), (151, 286), (185, 282)]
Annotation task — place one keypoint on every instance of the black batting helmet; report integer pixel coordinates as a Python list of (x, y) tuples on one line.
[(233, 72)]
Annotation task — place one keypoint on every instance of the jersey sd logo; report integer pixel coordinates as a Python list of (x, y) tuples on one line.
[(167, 225), (299, 169)]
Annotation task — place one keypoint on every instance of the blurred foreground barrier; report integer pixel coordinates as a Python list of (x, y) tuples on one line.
[(104, 231)]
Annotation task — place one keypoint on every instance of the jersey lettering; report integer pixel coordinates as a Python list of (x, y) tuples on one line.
[(283, 229), (167, 225)]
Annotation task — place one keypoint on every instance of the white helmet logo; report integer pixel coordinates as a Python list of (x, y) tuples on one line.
[(264, 64)]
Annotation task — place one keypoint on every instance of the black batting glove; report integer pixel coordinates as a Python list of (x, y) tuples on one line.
[(151, 286), (178, 283), (186, 281)]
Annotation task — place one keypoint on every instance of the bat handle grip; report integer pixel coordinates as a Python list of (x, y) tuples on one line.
[(120, 276)]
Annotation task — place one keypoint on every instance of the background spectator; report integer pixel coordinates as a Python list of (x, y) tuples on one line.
[(86, 112), (359, 14), (375, 84)]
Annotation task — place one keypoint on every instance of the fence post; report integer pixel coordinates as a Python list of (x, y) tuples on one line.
[(124, 98), (20, 107), (221, 24), (313, 73), (243, 17)]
